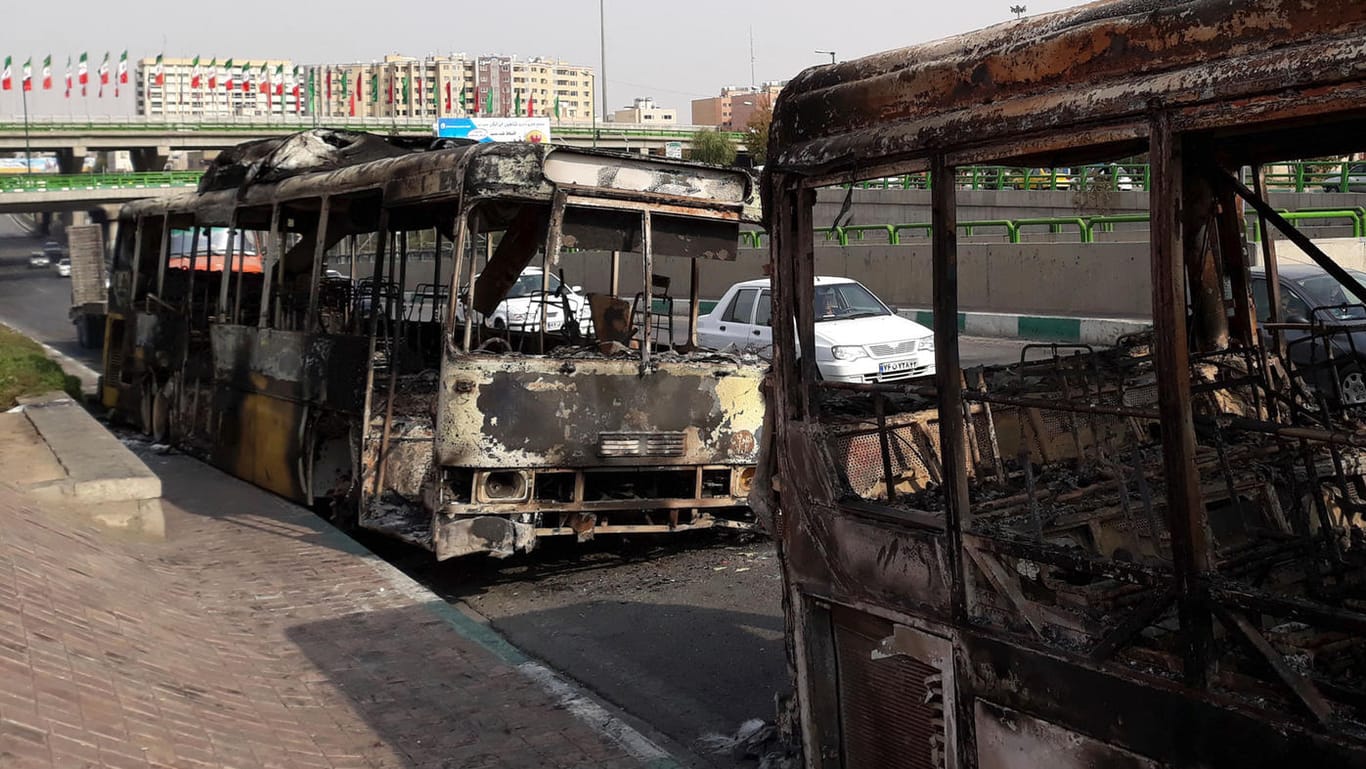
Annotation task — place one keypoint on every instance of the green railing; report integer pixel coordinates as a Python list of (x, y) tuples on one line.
[(1086, 227), (97, 182), (1299, 176)]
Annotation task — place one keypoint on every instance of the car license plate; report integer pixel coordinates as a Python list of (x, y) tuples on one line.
[(895, 365)]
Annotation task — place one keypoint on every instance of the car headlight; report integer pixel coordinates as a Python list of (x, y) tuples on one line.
[(847, 352), (517, 317), (927, 344)]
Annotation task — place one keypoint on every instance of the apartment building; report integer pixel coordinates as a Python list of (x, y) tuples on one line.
[(207, 89), (644, 111), (732, 110)]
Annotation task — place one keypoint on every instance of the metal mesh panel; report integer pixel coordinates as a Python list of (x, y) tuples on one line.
[(885, 719), (858, 452)]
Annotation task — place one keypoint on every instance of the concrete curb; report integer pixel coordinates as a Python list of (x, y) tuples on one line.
[(97, 472), (1045, 328)]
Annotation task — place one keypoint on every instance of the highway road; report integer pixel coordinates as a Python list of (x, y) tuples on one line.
[(684, 635)]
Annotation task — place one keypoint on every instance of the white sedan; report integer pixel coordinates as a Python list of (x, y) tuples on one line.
[(858, 338), (520, 310)]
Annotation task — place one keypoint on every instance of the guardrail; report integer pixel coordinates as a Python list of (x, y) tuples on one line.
[(1298, 176), (95, 182), (291, 123), (1086, 227)]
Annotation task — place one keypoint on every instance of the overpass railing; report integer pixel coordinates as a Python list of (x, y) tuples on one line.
[(95, 182), (1299, 176), (1085, 228)]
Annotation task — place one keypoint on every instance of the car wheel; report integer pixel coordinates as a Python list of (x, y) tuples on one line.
[(499, 325), (1353, 387), (1330, 188)]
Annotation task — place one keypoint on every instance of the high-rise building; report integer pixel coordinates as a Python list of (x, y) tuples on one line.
[(211, 89), (644, 110), (405, 87), (732, 110)]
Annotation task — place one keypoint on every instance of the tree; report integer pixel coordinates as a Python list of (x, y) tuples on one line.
[(756, 134), (711, 146)]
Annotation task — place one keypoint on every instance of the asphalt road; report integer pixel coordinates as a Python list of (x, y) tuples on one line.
[(682, 634)]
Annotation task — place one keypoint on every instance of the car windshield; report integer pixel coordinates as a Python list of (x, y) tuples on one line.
[(1326, 291), (529, 284), (843, 301)]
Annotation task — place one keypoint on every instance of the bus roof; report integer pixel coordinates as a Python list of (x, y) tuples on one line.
[(508, 170), (1077, 85)]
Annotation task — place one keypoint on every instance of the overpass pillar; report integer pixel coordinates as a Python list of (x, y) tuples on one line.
[(71, 161), (150, 158)]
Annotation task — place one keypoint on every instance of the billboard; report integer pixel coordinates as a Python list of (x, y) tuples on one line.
[(496, 129)]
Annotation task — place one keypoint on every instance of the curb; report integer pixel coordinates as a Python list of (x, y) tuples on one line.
[(1047, 328)]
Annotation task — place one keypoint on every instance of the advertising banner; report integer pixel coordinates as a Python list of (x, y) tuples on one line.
[(495, 129)]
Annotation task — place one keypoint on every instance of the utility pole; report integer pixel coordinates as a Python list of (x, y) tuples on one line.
[(28, 146), (831, 54), (753, 82), (1018, 10), (602, 39)]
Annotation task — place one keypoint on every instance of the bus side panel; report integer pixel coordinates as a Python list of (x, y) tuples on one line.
[(527, 412)]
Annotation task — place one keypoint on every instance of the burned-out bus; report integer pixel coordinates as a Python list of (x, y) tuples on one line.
[(310, 320), (1149, 555)]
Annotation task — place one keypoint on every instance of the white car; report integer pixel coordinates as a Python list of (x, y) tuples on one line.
[(520, 310), (858, 338), (64, 267)]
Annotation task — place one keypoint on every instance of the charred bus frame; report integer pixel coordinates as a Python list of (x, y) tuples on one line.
[(363, 392), (1147, 556)]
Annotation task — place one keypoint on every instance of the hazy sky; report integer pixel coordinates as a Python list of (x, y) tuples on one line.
[(674, 51)]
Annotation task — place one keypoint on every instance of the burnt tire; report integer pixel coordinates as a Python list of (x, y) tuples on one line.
[(1352, 386)]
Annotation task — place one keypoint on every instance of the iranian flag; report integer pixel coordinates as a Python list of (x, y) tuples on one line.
[(296, 85), (228, 75), (28, 74), (104, 74), (327, 85), (83, 70), (448, 96), (47, 73), (7, 76), (123, 68), (213, 74), (158, 71), (68, 77), (196, 76), (279, 80), (246, 77), (531, 105)]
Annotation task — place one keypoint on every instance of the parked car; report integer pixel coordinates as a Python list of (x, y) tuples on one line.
[(64, 267), (520, 310), (1109, 178), (1356, 180), (39, 259), (858, 338), (1310, 294), (1039, 178)]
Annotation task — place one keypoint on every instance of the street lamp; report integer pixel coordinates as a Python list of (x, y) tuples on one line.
[(831, 54)]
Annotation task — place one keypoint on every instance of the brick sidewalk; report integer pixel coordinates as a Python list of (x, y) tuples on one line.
[(256, 636)]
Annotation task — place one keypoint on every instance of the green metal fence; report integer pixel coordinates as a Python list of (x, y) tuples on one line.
[(1300, 176), (97, 182)]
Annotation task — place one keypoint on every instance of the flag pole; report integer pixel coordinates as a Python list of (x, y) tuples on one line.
[(28, 146)]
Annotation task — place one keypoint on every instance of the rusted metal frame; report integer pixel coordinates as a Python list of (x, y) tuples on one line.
[(614, 275), (458, 247), (1037, 616), (312, 322), (466, 227), (551, 257), (225, 275), (189, 280), (694, 298), (436, 280), (277, 247), (1291, 607), (396, 339), (1302, 687), (1234, 254), (1271, 267), (782, 248), (997, 463), (165, 254), (1066, 558), (802, 243), (368, 404), (241, 262), (880, 409), (595, 506), (1072, 406), (1132, 624), (1187, 523), (1204, 279), (137, 259), (948, 375), (1301, 241), (647, 244), (1326, 528), (728, 213)]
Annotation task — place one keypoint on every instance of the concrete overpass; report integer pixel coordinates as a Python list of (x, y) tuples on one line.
[(152, 141)]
